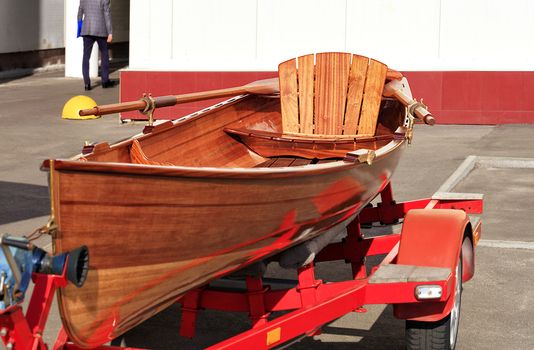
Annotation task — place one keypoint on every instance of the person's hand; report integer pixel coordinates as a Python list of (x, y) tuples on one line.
[(110, 38)]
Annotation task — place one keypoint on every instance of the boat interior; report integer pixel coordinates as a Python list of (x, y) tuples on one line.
[(329, 104)]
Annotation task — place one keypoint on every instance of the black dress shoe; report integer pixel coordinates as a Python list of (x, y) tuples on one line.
[(87, 87), (108, 84)]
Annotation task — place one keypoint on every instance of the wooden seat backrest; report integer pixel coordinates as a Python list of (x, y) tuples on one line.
[(331, 93)]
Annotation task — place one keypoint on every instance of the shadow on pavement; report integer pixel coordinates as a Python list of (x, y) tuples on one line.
[(383, 331), (6, 77), (20, 201), (162, 332)]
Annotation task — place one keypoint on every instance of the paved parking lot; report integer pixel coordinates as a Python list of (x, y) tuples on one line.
[(497, 305)]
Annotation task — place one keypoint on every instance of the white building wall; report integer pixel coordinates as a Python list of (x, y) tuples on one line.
[(489, 34), (256, 35), (31, 25)]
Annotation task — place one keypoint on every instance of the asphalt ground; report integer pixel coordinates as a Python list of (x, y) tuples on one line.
[(497, 305)]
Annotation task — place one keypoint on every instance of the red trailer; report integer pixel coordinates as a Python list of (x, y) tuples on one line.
[(421, 275)]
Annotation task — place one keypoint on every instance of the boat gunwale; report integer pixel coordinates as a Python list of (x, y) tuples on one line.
[(214, 172)]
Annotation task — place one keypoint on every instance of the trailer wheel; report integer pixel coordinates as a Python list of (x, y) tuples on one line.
[(438, 335)]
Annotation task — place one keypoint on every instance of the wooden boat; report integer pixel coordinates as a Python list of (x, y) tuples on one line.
[(197, 198)]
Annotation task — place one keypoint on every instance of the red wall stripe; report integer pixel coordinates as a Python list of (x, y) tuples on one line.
[(135, 83), (456, 97)]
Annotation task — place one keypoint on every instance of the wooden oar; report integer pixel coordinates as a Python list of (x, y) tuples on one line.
[(394, 89), (260, 87)]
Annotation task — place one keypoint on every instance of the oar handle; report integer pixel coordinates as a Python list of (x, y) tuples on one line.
[(415, 108), (140, 105), (421, 113), (260, 87), (162, 101)]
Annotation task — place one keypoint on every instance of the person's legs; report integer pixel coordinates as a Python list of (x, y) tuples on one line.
[(104, 58), (88, 43)]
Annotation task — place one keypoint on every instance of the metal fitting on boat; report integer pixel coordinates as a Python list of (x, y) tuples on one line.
[(149, 108), (361, 156)]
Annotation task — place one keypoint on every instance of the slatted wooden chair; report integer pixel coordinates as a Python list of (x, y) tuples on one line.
[(329, 102), (336, 94)]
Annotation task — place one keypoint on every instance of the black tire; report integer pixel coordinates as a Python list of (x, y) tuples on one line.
[(438, 335)]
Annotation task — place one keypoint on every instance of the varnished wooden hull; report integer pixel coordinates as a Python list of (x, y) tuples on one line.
[(155, 232)]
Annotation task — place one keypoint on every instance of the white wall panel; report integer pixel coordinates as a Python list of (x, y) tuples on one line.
[(150, 32), (487, 34), (192, 35), (258, 34), (402, 34), (160, 40), (139, 33), (214, 33), (289, 28)]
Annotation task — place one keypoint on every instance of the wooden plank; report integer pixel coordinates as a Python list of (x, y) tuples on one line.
[(282, 162), (306, 71), (332, 75), (358, 73), (266, 164), (287, 72), (374, 84), (301, 161), (302, 135)]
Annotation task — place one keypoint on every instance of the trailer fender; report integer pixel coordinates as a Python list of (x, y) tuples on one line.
[(430, 237)]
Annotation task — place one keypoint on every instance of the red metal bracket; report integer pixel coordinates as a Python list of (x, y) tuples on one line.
[(25, 332), (256, 301)]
